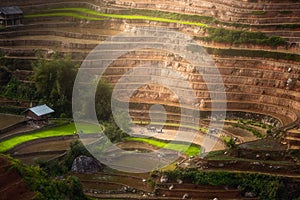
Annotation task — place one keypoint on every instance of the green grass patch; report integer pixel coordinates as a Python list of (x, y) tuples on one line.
[(242, 37), (90, 128), (219, 156), (255, 132), (285, 26), (190, 150), (73, 12), (121, 16), (225, 138), (253, 53), (63, 14), (172, 15), (258, 12), (179, 17), (197, 128), (285, 12), (255, 123), (64, 130), (215, 34), (58, 131)]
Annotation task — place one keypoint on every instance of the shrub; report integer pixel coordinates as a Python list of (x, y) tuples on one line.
[(259, 12), (52, 168), (47, 187), (266, 186), (230, 143), (242, 37), (253, 53), (76, 149)]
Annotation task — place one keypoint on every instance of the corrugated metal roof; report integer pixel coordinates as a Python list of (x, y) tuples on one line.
[(41, 110), (11, 10)]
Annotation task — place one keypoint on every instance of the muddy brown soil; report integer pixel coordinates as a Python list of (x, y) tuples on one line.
[(11, 184), (8, 120)]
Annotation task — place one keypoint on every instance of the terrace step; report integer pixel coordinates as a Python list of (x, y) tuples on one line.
[(292, 137), (196, 191), (234, 10), (9, 178), (11, 184)]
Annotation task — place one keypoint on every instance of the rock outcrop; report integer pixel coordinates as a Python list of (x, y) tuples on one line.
[(84, 164)]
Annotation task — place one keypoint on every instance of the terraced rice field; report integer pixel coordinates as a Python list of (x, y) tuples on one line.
[(64, 130), (186, 149), (254, 78), (255, 71)]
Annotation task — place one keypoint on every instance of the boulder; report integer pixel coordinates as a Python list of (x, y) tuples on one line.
[(185, 196), (85, 164), (221, 165), (164, 179), (179, 181), (250, 194)]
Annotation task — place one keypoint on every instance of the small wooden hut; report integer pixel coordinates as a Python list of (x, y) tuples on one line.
[(39, 113), (11, 16)]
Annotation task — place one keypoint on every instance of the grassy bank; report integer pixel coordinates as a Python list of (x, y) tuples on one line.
[(190, 150), (63, 130), (63, 14), (93, 15), (197, 128), (215, 34)]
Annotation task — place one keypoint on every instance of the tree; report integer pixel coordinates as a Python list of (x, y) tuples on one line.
[(103, 101), (5, 75), (230, 143), (19, 90), (113, 132), (54, 80), (104, 113), (60, 167), (11, 89), (48, 187)]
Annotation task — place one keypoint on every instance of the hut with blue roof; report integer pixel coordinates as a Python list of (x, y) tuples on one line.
[(39, 113)]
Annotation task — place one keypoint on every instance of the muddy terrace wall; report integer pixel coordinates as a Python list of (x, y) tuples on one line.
[(54, 33), (14, 126), (250, 85), (257, 85), (229, 10)]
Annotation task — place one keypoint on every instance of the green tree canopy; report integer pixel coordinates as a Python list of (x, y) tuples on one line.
[(103, 100), (54, 81), (5, 75)]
